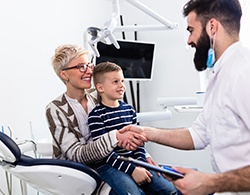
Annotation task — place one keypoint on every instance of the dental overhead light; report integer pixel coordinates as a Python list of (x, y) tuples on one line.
[(105, 33), (94, 32)]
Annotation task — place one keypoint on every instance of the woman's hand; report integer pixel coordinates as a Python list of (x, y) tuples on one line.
[(151, 161)]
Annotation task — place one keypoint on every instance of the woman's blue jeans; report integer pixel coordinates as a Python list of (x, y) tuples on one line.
[(123, 184)]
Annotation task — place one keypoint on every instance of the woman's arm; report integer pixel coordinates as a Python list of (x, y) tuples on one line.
[(68, 142)]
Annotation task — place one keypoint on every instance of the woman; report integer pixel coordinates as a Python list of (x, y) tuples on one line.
[(67, 115)]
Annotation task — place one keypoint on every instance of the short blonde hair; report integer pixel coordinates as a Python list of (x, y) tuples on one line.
[(64, 54)]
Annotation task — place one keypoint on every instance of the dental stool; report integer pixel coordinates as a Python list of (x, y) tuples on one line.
[(48, 176)]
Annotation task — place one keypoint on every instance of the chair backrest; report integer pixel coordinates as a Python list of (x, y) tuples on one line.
[(50, 176), (9, 151)]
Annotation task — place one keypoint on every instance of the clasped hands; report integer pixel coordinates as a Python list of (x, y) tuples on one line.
[(130, 138)]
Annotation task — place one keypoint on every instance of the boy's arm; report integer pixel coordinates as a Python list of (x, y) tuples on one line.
[(96, 126), (140, 154)]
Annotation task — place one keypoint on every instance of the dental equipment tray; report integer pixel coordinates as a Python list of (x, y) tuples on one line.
[(167, 170)]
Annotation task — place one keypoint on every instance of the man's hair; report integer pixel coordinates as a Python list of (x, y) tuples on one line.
[(227, 12), (102, 68)]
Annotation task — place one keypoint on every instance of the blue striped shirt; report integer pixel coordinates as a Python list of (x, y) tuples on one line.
[(103, 119)]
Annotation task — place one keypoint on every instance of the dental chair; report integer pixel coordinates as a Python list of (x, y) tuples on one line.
[(48, 176)]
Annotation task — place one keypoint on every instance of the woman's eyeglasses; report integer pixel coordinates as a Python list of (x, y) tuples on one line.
[(81, 67)]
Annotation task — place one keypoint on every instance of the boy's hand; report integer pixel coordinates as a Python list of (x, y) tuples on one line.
[(141, 175)]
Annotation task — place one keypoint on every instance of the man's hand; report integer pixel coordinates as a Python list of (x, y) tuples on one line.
[(130, 140), (135, 128), (138, 140), (194, 182), (141, 175)]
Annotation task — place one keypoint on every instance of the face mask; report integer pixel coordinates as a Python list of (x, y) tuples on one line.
[(211, 54), (210, 58)]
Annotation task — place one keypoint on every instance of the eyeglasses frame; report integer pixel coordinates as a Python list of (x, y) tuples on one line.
[(81, 65)]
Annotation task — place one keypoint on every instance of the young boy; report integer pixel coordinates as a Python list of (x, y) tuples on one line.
[(112, 113)]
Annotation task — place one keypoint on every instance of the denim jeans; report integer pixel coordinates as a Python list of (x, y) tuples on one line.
[(120, 182), (123, 184), (159, 185)]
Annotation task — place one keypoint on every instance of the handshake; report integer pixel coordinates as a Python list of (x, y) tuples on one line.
[(131, 137)]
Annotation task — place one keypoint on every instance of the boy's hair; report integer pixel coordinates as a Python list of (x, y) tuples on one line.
[(227, 12), (102, 68)]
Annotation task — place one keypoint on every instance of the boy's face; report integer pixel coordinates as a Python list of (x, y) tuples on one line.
[(113, 86)]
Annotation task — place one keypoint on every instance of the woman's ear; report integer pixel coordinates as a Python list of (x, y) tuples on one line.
[(63, 75)]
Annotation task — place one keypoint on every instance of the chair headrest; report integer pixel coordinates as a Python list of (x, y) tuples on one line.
[(9, 150)]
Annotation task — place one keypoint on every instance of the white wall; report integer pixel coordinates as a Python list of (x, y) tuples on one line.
[(31, 30)]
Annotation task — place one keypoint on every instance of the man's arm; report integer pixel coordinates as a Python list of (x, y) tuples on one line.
[(196, 182), (177, 138), (235, 180)]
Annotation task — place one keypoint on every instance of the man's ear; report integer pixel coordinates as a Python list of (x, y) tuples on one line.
[(212, 26), (99, 87)]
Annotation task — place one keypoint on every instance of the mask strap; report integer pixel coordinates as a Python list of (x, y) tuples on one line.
[(211, 54), (212, 44)]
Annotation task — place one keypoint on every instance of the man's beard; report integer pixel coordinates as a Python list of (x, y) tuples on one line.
[(202, 47)]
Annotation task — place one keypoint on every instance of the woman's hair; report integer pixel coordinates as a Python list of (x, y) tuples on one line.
[(227, 12), (103, 68), (64, 54)]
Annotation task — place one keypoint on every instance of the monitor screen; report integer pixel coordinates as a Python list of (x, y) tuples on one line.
[(135, 58)]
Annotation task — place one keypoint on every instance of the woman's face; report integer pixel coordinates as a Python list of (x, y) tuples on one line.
[(75, 79)]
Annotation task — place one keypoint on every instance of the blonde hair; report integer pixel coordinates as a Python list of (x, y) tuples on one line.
[(64, 54)]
